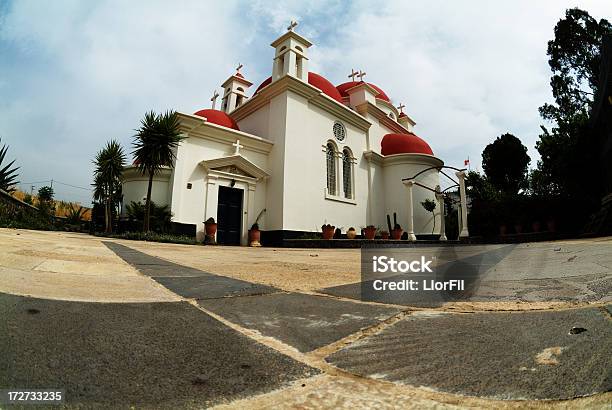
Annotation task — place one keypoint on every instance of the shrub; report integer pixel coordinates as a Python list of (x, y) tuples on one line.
[(152, 237)]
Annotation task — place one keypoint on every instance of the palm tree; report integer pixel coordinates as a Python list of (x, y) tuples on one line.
[(8, 175), (109, 164), (155, 145)]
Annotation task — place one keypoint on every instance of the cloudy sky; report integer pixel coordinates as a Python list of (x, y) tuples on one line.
[(74, 74)]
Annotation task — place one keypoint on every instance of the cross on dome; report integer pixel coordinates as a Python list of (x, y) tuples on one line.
[(401, 108), (353, 74), (214, 99), (293, 24), (238, 146), (361, 75)]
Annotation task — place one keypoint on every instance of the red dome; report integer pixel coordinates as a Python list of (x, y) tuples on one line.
[(404, 144), (322, 84), (315, 80), (345, 86), (219, 118), (264, 84)]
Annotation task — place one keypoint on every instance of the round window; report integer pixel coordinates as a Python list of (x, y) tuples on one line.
[(339, 131)]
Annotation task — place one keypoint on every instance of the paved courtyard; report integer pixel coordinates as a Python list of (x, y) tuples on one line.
[(175, 326)]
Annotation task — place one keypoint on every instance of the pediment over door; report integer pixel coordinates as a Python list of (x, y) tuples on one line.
[(235, 165), (233, 169)]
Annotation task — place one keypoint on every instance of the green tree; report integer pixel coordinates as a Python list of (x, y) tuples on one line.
[(430, 206), (505, 162), (45, 200), (45, 194), (109, 163), (574, 59), (155, 145), (568, 161), (8, 175)]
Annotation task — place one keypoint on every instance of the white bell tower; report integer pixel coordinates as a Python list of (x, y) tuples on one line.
[(291, 55), (234, 91)]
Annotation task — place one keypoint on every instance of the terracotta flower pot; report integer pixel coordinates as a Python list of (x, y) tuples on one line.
[(254, 236), (351, 233), (396, 234), (328, 232), (536, 226), (369, 232), (384, 235), (211, 229)]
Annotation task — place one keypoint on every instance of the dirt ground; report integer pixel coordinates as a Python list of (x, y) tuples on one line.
[(68, 266)]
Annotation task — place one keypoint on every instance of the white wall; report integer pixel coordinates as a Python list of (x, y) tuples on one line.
[(398, 167), (135, 186), (197, 204), (305, 178)]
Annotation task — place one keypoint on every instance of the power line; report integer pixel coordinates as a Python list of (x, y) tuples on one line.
[(55, 181), (73, 186)]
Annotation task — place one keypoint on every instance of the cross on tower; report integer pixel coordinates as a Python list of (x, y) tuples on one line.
[(238, 146), (401, 108), (214, 99), (361, 75), (239, 67), (292, 25), (353, 74)]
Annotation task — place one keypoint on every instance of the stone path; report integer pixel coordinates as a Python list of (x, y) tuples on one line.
[(510, 356), (147, 354), (211, 339), (305, 322)]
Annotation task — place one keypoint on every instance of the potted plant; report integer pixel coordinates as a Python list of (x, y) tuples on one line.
[(328, 231), (351, 233), (518, 227), (384, 234), (396, 232), (551, 225), (210, 226), (254, 235), (369, 232)]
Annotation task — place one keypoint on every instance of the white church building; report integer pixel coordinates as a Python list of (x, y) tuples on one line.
[(297, 153)]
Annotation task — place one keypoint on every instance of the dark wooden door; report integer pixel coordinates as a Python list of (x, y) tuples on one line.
[(229, 216)]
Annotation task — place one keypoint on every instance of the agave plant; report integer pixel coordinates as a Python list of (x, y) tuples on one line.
[(75, 215), (155, 145), (8, 175)]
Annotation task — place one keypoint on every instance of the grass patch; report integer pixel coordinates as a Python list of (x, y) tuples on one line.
[(152, 237)]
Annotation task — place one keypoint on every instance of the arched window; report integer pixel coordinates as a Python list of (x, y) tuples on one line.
[(330, 159), (347, 173)]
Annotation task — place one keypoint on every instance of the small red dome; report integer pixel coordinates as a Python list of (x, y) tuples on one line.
[(264, 84), (404, 144), (219, 118), (345, 86), (315, 80), (322, 84)]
